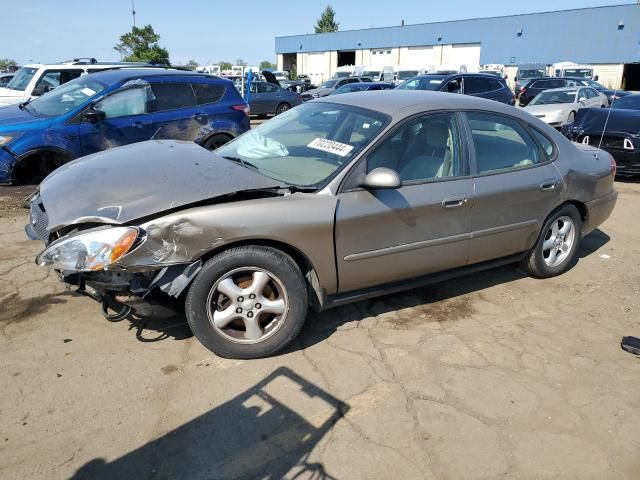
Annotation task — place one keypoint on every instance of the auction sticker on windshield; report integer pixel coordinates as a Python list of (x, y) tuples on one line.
[(331, 146)]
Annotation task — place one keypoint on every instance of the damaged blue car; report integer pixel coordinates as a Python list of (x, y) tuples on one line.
[(114, 108)]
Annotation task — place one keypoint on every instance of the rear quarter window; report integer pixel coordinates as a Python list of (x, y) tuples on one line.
[(207, 93), (171, 96)]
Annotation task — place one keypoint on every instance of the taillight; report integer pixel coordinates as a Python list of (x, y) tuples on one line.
[(242, 108), (522, 90), (613, 166)]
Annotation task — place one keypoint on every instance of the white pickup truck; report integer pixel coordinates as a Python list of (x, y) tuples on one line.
[(31, 81)]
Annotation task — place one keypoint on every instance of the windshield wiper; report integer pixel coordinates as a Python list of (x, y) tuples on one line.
[(298, 188), (242, 162)]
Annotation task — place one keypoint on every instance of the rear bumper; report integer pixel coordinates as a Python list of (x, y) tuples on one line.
[(598, 211)]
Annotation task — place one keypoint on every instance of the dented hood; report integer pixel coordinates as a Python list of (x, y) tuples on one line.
[(127, 183)]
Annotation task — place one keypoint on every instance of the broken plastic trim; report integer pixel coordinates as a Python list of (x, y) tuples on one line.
[(173, 280)]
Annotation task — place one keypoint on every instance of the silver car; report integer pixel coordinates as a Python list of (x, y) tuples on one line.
[(558, 106), (337, 200)]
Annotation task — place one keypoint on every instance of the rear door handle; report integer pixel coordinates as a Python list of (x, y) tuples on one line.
[(548, 186), (137, 125), (454, 201)]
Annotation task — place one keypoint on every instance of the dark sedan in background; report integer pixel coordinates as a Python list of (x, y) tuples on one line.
[(330, 85), (475, 84), (617, 131), (363, 87), (529, 91), (269, 99)]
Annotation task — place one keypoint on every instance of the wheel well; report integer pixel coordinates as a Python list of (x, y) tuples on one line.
[(214, 134), (316, 293), (582, 208), (35, 166)]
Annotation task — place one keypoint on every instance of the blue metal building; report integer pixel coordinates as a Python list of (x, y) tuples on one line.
[(600, 35)]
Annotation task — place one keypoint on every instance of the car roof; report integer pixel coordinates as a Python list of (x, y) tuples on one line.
[(109, 76), (565, 89), (450, 75), (392, 101)]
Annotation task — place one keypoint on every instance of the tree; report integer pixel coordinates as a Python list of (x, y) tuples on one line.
[(327, 21), (6, 63), (224, 65), (192, 64), (267, 65), (141, 45)]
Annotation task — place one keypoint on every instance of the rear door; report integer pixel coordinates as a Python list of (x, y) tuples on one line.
[(384, 236), (127, 121), (173, 107), (515, 185)]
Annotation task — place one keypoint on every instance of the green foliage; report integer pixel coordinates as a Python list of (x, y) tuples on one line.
[(224, 65), (141, 45), (267, 65), (6, 63), (293, 73), (192, 64), (327, 21)]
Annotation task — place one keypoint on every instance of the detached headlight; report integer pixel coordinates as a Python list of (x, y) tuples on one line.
[(5, 139), (89, 252)]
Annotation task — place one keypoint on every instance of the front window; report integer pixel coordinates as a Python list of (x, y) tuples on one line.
[(22, 78), (307, 145), (548, 98), (371, 73), (578, 72), (422, 83), (67, 97), (329, 84), (630, 102)]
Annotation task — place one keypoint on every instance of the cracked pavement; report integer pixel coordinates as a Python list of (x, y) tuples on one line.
[(495, 375)]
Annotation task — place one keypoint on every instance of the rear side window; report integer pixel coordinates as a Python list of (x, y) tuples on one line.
[(544, 142), (207, 93), (170, 96), (501, 143), (493, 84), (474, 85)]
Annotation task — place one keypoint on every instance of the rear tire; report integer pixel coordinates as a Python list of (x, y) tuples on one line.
[(556, 249), (283, 107), (216, 141), (247, 302)]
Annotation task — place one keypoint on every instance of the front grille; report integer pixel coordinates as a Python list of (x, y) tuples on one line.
[(39, 219)]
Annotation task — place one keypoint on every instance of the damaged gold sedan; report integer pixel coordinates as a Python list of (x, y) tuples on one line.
[(334, 201)]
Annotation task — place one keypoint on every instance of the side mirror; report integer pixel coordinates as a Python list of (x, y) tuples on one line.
[(595, 79), (381, 178), (40, 90), (93, 116), (506, 77), (582, 99)]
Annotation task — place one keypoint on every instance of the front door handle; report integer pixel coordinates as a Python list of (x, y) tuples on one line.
[(454, 201), (137, 125), (548, 186)]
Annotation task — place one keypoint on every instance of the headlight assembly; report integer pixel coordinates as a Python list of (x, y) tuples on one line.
[(92, 251), (6, 139)]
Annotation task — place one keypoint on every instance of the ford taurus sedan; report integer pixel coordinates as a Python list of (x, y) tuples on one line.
[(337, 200)]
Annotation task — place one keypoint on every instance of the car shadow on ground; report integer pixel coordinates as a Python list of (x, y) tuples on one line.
[(440, 302), (260, 433)]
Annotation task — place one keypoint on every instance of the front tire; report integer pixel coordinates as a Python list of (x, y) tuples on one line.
[(556, 250), (216, 141), (247, 302)]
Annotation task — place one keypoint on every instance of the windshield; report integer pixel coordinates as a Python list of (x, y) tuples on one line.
[(431, 82), (629, 102), (531, 73), (371, 73), (594, 84), (548, 98), (307, 145), (22, 78), (578, 72), (329, 84), (405, 74), (66, 97)]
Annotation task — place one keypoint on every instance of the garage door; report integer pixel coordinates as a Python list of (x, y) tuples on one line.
[(315, 67), (465, 54), (381, 57), (418, 57)]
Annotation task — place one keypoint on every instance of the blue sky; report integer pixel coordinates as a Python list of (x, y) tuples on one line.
[(213, 30)]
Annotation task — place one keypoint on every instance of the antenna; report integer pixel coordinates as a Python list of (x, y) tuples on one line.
[(133, 11), (604, 129)]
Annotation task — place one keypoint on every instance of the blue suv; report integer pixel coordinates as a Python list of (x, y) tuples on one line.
[(113, 108)]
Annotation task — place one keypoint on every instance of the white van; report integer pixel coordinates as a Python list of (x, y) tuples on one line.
[(33, 80)]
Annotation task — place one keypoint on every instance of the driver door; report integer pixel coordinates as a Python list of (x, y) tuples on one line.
[(126, 121), (424, 226)]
